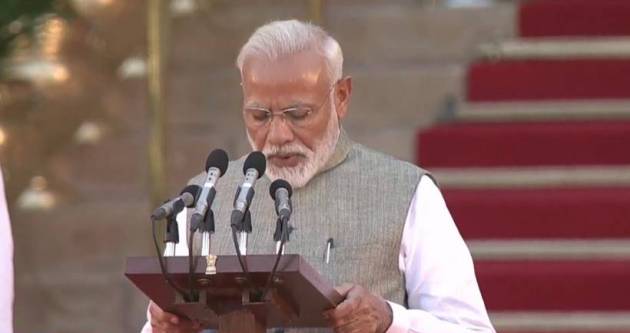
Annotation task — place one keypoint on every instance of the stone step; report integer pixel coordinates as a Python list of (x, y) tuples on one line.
[(556, 48), (571, 177), (561, 322), (533, 111), (550, 249)]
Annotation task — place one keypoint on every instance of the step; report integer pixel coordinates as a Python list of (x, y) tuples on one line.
[(538, 18), (532, 111), (583, 213), (550, 249), (562, 285), (524, 144), (556, 48), (549, 80), (500, 178), (560, 322)]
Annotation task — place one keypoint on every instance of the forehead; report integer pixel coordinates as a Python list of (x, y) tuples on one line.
[(301, 71)]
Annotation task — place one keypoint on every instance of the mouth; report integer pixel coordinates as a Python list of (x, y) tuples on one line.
[(286, 160)]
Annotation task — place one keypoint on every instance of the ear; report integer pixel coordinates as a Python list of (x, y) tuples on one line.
[(343, 91)]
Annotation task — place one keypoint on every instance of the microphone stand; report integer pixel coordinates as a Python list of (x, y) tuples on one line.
[(172, 235), (207, 229), (241, 226), (206, 226), (245, 228), (171, 282), (281, 236)]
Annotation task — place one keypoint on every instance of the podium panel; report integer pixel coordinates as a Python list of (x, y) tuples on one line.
[(297, 298)]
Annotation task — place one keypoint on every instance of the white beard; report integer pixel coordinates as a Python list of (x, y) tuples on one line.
[(314, 160)]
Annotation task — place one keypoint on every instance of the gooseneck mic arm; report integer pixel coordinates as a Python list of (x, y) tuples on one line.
[(170, 210), (215, 167), (187, 198), (280, 191), (241, 222)]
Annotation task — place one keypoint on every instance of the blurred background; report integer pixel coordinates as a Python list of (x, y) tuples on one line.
[(520, 108)]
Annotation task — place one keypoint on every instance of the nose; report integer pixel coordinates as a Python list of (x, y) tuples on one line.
[(280, 132)]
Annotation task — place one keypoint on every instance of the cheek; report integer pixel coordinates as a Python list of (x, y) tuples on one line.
[(306, 138), (257, 136), (315, 133)]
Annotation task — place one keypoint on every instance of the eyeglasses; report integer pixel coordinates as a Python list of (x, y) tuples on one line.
[(299, 115)]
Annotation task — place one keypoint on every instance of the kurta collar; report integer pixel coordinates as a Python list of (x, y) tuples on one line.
[(344, 144)]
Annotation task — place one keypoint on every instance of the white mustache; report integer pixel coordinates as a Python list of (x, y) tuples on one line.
[(293, 148)]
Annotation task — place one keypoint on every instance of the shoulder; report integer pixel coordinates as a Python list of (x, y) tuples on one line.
[(384, 164)]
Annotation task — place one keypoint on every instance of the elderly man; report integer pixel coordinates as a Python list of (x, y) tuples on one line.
[(398, 259)]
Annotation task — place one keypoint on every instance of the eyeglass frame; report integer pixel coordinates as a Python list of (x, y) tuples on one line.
[(269, 112)]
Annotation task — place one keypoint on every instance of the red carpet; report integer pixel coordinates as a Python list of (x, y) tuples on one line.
[(524, 144), (553, 18), (588, 213), (592, 213), (555, 285), (549, 80)]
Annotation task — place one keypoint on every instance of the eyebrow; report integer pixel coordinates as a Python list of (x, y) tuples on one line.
[(292, 105), (255, 105)]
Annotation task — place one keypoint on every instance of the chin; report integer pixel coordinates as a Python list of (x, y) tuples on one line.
[(298, 176)]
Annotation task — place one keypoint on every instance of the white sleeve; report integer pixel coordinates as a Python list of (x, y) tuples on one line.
[(442, 290), (147, 326), (6, 265)]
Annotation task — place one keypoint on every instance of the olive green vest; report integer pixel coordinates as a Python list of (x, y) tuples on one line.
[(360, 200)]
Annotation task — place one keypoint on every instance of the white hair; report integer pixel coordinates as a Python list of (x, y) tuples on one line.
[(283, 38)]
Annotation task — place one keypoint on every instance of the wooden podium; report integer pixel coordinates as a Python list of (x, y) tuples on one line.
[(297, 298)]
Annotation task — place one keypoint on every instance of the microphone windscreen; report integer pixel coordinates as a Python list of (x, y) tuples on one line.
[(255, 160), (194, 191), (218, 158), (280, 183)]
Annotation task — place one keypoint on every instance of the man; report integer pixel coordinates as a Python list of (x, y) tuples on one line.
[(398, 259), (6, 265)]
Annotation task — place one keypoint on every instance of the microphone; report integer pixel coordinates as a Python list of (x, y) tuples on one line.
[(254, 168), (202, 217), (187, 198), (216, 165), (281, 191), (241, 219)]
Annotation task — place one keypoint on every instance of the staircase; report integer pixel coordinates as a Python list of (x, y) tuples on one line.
[(535, 168)]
